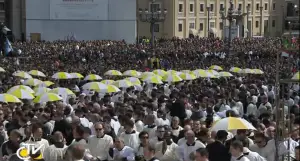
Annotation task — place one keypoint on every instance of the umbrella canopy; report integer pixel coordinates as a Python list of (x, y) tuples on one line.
[(111, 89), (171, 78), (107, 82), (185, 71), (92, 77), (235, 69), (149, 74), (215, 67), (153, 79), (22, 94), (26, 88), (122, 83), (173, 72), (257, 71), (187, 76), (113, 73), (232, 123), (247, 71), (296, 76), (1, 69), (47, 97), (45, 84), (76, 75), (40, 90), (225, 74), (32, 82), (61, 91), (204, 74), (215, 73), (134, 80), (159, 72), (62, 75), (8, 98), (132, 73), (22, 74), (94, 86), (37, 73)]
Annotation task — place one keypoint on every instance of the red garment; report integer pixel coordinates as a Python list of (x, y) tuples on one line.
[(147, 69)]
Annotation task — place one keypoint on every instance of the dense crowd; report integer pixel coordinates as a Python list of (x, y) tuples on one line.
[(159, 122)]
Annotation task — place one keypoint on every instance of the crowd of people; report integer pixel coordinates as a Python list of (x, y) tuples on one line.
[(160, 122)]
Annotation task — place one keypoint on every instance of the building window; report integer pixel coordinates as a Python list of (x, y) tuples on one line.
[(222, 6), (191, 7), (201, 27), (266, 23), (154, 7), (249, 7), (211, 7), (266, 6), (257, 6), (221, 25), (256, 24), (2, 6), (273, 23), (192, 25), (180, 8), (212, 24), (201, 7), (274, 6), (156, 27), (180, 27), (240, 6)]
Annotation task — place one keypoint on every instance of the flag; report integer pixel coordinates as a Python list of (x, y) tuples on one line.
[(286, 43), (7, 47), (286, 54)]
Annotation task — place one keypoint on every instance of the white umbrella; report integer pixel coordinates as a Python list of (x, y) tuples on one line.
[(232, 123)]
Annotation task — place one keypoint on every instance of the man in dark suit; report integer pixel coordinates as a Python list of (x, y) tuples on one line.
[(178, 108), (218, 148)]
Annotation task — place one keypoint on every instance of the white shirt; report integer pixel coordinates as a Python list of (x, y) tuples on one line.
[(184, 151), (170, 153), (175, 132), (244, 158), (53, 153), (287, 146), (267, 152), (253, 156), (251, 109), (126, 152), (99, 147), (139, 125), (131, 140), (150, 131)]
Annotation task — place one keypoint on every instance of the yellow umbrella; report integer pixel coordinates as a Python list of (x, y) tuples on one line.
[(47, 97), (132, 73), (32, 82), (94, 86), (215, 67), (62, 75), (159, 72), (45, 84), (22, 74), (76, 75), (1, 69), (153, 79), (225, 74), (257, 71), (92, 77), (147, 74), (8, 98), (123, 83), (204, 74), (171, 78), (232, 123), (247, 71), (215, 73), (235, 69), (134, 80), (40, 90), (296, 76), (37, 73), (26, 88), (185, 71), (187, 76), (22, 94), (107, 82), (173, 72), (61, 91), (113, 73), (111, 89)]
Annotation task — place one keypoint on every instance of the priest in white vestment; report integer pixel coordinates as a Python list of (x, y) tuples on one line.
[(56, 151), (122, 152), (130, 136), (166, 150), (184, 150), (98, 145)]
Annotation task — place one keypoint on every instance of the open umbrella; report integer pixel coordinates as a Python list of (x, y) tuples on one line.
[(134, 80), (45, 84), (22, 94), (8, 98), (61, 91), (153, 79), (122, 83), (107, 82), (159, 72), (22, 74), (225, 74), (235, 69), (37, 73), (32, 82), (26, 88), (187, 76), (92, 77), (76, 75), (62, 75), (232, 123), (113, 73), (94, 86), (215, 67), (171, 78), (40, 90), (132, 73), (47, 97)]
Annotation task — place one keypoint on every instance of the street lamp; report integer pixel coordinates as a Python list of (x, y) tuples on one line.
[(152, 17), (231, 15), (208, 20), (261, 19)]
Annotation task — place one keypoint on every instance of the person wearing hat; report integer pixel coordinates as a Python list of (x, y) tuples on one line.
[(218, 147)]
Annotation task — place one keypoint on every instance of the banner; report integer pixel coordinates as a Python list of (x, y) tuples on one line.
[(79, 9)]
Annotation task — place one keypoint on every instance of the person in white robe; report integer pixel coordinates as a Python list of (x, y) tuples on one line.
[(122, 152), (75, 152), (130, 136), (150, 126), (176, 128), (236, 150), (251, 108), (252, 156), (183, 151), (144, 143), (166, 150), (263, 147), (98, 145), (159, 136), (139, 124), (56, 151)]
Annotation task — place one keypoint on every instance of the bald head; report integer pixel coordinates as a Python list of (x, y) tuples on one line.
[(76, 151), (58, 137), (187, 128)]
